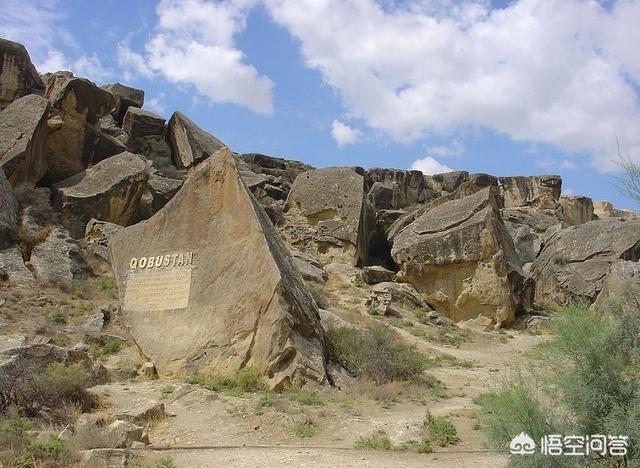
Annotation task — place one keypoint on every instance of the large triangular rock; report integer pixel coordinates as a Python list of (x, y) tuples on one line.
[(23, 132), (460, 256), (209, 288), (18, 76), (189, 143)]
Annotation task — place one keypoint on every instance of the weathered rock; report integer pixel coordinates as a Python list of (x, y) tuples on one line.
[(394, 296), (109, 191), (78, 105), (162, 190), (626, 213), (18, 76), (96, 244), (381, 196), (376, 274), (144, 411), (125, 97), (107, 146), (101, 317), (329, 216), (189, 143), (331, 321), (386, 218), (392, 189), (541, 192), (603, 209), (574, 261), (577, 210), (109, 126), (447, 182), (529, 227), (140, 123), (124, 433), (23, 132), (622, 281), (8, 213), (105, 458), (12, 341), (247, 305), (310, 268), (461, 257), (57, 260), (13, 269), (148, 371)]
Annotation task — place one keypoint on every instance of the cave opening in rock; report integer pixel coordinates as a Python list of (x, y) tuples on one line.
[(380, 251)]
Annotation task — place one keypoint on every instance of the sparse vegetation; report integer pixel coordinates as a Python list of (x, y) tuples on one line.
[(585, 380), (319, 296), (376, 354), (243, 381), (376, 442), (440, 430), (109, 286), (306, 397), (454, 336), (306, 428), (167, 390), (111, 346)]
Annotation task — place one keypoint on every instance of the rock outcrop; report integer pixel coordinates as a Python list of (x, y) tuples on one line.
[(97, 244), (189, 143), (109, 191), (392, 189), (460, 256), (57, 260), (329, 216), (574, 261), (603, 209), (18, 76), (125, 97), (576, 210), (13, 269), (239, 299), (23, 132), (8, 213), (78, 105), (541, 192)]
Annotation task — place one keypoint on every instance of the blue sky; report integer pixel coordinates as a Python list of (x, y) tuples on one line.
[(506, 87)]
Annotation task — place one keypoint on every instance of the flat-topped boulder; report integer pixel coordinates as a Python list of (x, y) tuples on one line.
[(538, 191), (208, 287), (328, 215), (18, 76), (576, 209), (460, 256), (77, 106), (125, 97), (189, 143), (574, 261), (109, 191), (139, 123), (23, 132)]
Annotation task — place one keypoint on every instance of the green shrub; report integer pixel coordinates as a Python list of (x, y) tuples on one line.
[(36, 199), (418, 446), (306, 397), (377, 354), (440, 429), (109, 286), (376, 442), (584, 381), (243, 381), (305, 429)]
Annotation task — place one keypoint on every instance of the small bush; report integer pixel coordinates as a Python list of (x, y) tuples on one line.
[(376, 442), (418, 446), (305, 429), (109, 286), (19, 448), (36, 199), (376, 354), (167, 390), (440, 429), (306, 397), (243, 381)]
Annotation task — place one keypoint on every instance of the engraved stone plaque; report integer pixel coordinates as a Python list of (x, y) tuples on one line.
[(157, 289)]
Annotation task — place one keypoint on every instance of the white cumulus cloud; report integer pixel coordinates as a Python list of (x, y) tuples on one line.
[(560, 72), (343, 134), (194, 44), (429, 166)]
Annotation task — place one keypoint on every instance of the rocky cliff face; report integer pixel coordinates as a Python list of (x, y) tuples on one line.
[(111, 175)]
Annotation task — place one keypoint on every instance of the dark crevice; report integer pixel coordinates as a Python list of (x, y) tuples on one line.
[(380, 251)]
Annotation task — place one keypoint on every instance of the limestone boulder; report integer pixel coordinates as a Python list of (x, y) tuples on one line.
[(576, 210), (529, 227), (328, 215), (396, 299), (107, 146), (189, 143), (8, 213), (18, 76), (23, 132), (460, 256), (96, 245), (447, 182), (574, 262), (541, 192), (77, 106), (620, 286), (162, 190), (208, 287), (109, 191), (603, 209), (140, 123), (309, 267), (13, 269), (125, 97), (109, 126), (376, 274), (57, 260), (392, 189)]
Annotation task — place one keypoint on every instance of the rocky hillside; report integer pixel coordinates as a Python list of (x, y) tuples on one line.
[(218, 257)]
